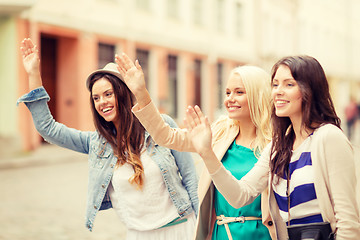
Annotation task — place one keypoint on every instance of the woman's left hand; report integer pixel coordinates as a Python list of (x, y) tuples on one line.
[(199, 128), (201, 135)]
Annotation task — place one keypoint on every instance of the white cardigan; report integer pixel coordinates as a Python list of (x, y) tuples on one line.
[(335, 183)]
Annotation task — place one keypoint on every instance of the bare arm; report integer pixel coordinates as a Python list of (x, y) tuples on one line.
[(31, 61)]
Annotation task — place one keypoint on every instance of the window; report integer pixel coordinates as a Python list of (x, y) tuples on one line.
[(143, 57), (106, 54), (197, 66), (172, 81)]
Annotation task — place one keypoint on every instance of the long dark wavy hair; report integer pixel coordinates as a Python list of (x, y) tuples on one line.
[(317, 108), (127, 141)]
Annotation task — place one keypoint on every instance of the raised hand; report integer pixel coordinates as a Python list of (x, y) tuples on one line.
[(31, 61), (131, 72), (200, 131), (133, 76), (30, 56)]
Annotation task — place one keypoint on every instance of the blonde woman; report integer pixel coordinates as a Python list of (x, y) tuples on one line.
[(238, 140)]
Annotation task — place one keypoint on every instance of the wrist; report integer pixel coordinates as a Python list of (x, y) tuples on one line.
[(205, 153), (143, 98), (34, 80), (138, 91), (211, 161), (34, 73)]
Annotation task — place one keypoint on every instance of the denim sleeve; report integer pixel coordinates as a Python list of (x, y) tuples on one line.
[(52, 131), (187, 170)]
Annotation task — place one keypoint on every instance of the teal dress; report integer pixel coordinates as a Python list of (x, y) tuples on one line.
[(239, 160)]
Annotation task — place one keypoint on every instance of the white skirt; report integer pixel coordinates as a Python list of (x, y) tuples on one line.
[(181, 231)]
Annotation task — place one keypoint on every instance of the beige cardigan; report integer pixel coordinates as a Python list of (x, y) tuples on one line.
[(179, 140), (335, 183)]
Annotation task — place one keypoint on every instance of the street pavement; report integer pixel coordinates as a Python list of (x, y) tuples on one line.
[(43, 196)]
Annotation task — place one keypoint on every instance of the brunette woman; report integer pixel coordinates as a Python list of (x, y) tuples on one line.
[(152, 189)]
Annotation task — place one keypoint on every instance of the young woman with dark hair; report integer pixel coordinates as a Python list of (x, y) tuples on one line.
[(128, 141), (316, 103), (308, 168), (152, 189)]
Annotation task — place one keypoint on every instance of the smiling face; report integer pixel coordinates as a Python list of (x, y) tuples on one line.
[(286, 94), (236, 102), (104, 100)]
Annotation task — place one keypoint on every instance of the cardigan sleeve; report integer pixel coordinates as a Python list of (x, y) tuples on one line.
[(174, 138), (337, 157), (241, 192), (187, 170)]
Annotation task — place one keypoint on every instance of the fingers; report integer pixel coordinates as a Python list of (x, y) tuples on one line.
[(119, 66), (189, 119), (195, 117), (187, 125), (137, 65), (200, 114), (23, 47), (121, 71), (124, 62), (27, 47), (30, 44)]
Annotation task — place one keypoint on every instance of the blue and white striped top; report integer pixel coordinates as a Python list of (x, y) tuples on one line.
[(304, 206)]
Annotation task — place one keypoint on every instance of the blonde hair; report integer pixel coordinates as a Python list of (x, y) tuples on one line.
[(258, 91)]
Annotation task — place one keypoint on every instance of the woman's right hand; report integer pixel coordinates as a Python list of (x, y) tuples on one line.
[(133, 76), (31, 61), (30, 56)]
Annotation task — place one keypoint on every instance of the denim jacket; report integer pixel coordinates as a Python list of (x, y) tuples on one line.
[(177, 168)]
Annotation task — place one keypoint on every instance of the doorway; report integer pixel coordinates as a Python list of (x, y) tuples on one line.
[(48, 56)]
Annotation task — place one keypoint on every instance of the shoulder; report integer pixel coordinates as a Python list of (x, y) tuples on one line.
[(330, 140), (223, 123), (329, 132), (224, 126), (96, 137)]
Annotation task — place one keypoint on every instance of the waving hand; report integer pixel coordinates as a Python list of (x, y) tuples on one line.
[(134, 78), (201, 135), (31, 61), (199, 127)]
